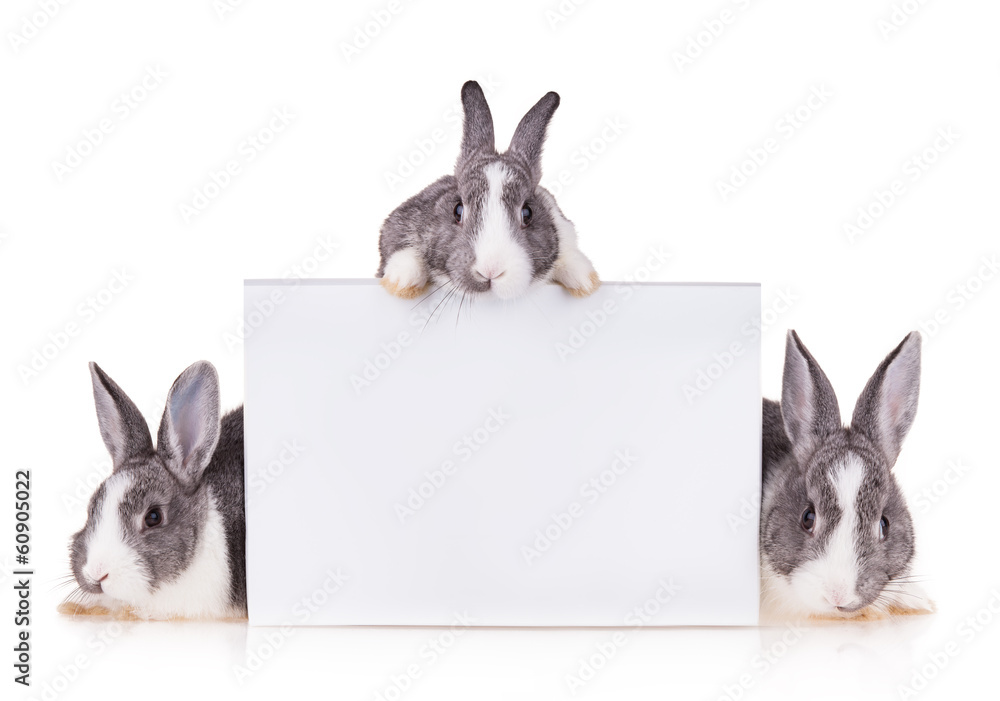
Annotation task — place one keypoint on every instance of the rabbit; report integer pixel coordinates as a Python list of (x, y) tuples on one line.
[(836, 536), (165, 532), (489, 229)]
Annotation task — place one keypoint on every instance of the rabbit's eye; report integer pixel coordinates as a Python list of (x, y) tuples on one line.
[(883, 528), (154, 517), (809, 519), (525, 215), (459, 209)]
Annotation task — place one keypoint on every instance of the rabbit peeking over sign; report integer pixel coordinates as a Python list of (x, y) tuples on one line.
[(489, 229)]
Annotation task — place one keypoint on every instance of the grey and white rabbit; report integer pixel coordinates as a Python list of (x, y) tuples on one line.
[(490, 228), (165, 532), (835, 533)]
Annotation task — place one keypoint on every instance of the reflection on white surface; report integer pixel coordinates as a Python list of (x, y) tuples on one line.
[(91, 658)]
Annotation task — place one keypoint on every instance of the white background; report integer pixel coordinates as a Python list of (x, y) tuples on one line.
[(322, 179)]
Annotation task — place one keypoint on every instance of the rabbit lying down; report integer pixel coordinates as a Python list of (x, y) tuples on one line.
[(836, 536), (489, 229), (165, 532)]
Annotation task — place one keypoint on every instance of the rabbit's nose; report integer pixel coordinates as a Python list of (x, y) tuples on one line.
[(96, 573), (488, 272), (842, 600)]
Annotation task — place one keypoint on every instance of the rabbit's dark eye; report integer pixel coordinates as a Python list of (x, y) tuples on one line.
[(809, 519), (525, 215), (154, 517), (883, 528), (459, 209)]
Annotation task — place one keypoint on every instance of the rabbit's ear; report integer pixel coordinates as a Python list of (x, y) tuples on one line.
[(888, 404), (530, 133), (189, 428), (123, 429), (809, 407), (477, 129)]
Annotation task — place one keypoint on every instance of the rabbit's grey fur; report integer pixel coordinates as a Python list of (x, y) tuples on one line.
[(491, 249), (192, 563), (842, 567)]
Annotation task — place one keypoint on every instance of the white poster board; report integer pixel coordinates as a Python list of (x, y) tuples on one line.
[(551, 461)]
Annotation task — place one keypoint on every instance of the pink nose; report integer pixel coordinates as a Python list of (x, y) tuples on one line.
[(488, 272), (841, 599), (97, 574)]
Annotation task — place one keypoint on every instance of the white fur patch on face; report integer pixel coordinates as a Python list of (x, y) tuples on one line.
[(830, 582), (107, 553), (498, 256)]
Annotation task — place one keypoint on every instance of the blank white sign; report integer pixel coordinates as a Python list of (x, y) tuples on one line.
[(546, 462)]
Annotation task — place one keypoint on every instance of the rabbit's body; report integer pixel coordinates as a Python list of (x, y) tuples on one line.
[(165, 532), (490, 228), (836, 536)]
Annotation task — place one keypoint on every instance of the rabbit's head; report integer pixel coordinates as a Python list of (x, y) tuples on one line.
[(836, 533), (502, 225), (147, 521)]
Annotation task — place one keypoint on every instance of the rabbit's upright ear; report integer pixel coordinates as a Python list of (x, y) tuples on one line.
[(530, 133), (123, 429), (888, 404), (189, 428), (477, 129), (809, 407)]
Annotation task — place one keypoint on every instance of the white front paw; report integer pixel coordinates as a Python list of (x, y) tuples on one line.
[(576, 273), (405, 274)]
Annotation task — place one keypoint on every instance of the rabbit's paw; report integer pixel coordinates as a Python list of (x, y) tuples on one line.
[(577, 275), (72, 608), (405, 275)]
